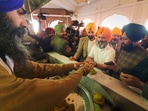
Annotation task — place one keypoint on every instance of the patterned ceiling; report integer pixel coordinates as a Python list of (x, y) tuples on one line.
[(70, 5)]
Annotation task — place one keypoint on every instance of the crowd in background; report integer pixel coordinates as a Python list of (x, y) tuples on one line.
[(25, 83), (65, 41), (109, 50)]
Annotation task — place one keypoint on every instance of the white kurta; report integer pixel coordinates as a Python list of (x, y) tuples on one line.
[(90, 45), (102, 55), (9, 65)]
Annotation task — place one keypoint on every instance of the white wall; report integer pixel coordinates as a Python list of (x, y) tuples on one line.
[(99, 10)]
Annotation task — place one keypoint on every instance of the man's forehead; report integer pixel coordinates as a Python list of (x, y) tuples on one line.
[(101, 35)]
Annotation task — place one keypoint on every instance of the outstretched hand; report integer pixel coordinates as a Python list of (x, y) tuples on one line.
[(131, 80), (72, 58), (77, 65), (87, 67)]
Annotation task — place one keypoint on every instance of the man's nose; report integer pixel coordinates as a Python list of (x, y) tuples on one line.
[(24, 23)]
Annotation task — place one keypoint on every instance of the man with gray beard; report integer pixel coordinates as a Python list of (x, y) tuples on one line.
[(23, 86), (11, 40), (102, 52)]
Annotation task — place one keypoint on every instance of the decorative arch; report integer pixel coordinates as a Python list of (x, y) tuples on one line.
[(53, 23), (115, 20), (86, 21), (66, 20)]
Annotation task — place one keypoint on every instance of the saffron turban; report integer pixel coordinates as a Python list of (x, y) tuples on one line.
[(58, 28), (91, 27), (10, 5), (135, 32), (106, 33), (116, 31)]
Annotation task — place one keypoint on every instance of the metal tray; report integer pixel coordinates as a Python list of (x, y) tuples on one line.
[(81, 99), (94, 87)]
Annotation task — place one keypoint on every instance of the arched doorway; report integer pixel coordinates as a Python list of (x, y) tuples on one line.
[(54, 23), (115, 21)]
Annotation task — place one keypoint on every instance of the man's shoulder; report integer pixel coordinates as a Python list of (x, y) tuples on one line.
[(109, 48), (84, 38)]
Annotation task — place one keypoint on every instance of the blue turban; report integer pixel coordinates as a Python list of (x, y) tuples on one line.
[(10, 5), (135, 32)]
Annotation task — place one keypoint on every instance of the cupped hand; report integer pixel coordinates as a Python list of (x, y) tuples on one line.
[(72, 58), (78, 64), (131, 80), (87, 67)]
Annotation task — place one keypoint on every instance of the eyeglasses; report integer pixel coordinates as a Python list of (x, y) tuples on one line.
[(21, 11)]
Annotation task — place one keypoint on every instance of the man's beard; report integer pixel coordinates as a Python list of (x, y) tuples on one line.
[(91, 37), (11, 41), (127, 47), (114, 41), (102, 44)]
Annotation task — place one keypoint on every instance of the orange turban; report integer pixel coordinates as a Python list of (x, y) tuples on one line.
[(91, 26), (116, 31), (106, 33)]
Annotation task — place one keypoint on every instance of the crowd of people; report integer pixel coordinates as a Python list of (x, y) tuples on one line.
[(23, 81)]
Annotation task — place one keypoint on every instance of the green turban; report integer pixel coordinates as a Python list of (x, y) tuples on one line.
[(135, 32), (58, 28)]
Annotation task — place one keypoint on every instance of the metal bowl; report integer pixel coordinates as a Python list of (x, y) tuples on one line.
[(81, 99), (88, 104)]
